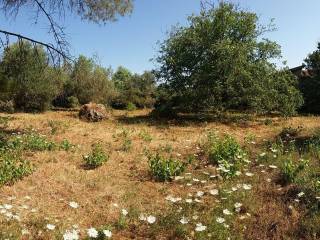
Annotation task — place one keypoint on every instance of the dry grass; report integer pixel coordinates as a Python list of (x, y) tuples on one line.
[(60, 177)]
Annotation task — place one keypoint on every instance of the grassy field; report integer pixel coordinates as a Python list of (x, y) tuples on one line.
[(49, 190)]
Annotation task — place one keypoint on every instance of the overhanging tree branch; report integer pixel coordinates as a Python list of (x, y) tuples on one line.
[(46, 45)]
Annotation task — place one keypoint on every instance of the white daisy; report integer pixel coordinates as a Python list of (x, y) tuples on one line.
[(124, 212), (51, 226), (200, 194), (92, 232), (142, 217), (262, 154), (184, 220), (200, 227), (107, 233), (73, 204), (247, 186), (249, 174), (214, 192), (226, 212), (273, 166), (7, 206), (220, 220), (71, 235), (238, 205), (300, 194), (151, 219)]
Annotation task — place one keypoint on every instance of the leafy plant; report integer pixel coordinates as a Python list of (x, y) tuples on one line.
[(12, 167), (126, 145), (131, 106), (31, 141), (290, 170), (227, 153), (96, 158), (145, 136), (66, 145), (164, 169)]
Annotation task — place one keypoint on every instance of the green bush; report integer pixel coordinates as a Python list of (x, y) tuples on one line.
[(291, 170), (227, 153), (12, 167), (164, 169), (131, 106), (72, 102), (66, 145), (30, 141), (27, 78), (7, 106), (96, 158)]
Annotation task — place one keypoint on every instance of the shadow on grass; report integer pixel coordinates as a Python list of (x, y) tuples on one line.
[(238, 119)]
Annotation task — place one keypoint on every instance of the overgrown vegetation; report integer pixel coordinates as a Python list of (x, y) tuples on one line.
[(165, 168), (226, 153)]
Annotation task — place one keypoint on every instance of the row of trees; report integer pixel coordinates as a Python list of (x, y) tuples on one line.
[(219, 61), (30, 83)]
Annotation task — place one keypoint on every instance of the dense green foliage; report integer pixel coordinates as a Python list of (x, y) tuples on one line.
[(226, 153), (310, 85), (133, 89), (90, 82), (218, 62), (165, 169), (26, 78)]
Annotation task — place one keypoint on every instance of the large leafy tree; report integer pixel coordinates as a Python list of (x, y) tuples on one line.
[(90, 82), (97, 11), (220, 61), (27, 79), (310, 84), (137, 89)]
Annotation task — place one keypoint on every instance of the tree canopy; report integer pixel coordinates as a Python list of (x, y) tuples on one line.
[(221, 61)]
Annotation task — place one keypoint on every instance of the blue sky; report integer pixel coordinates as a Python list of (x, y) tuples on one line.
[(132, 40)]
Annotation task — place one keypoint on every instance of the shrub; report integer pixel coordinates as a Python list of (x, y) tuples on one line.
[(66, 145), (164, 169), (12, 167), (96, 158), (131, 106), (290, 170), (7, 106), (30, 141), (72, 102), (227, 153)]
